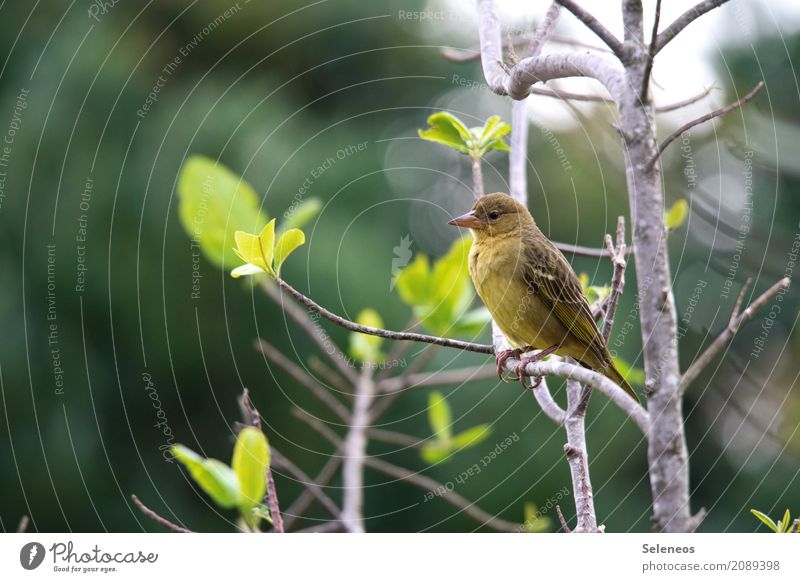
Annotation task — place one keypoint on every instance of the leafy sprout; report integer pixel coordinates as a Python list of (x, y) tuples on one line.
[(241, 485), (444, 443), (261, 253), (447, 129), (784, 525)]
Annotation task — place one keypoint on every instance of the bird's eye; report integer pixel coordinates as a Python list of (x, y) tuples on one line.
[(494, 215)]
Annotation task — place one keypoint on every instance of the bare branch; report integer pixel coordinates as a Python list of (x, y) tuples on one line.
[(651, 54), (686, 102), (157, 518), (326, 474), (273, 504), (416, 365), (599, 382), (734, 323), (355, 453), (296, 372), (477, 178), (319, 367), (685, 20), (563, 521), (301, 317), (396, 438), (707, 117), (594, 25), (468, 55), (436, 378), (587, 251), (311, 486), (543, 32), (22, 526), (421, 481), (394, 335)]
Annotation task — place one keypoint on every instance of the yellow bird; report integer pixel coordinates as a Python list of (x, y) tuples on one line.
[(531, 290)]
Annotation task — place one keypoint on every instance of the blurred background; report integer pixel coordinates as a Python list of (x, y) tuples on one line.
[(100, 105)]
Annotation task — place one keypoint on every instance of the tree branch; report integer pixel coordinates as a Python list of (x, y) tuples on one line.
[(355, 453), (394, 335), (734, 323), (302, 318), (296, 372), (594, 25), (305, 499), (311, 486), (685, 20), (157, 518), (436, 378), (686, 102), (651, 53), (22, 526), (707, 117), (273, 504)]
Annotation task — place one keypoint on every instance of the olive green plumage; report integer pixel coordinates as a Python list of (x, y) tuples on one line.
[(530, 288)]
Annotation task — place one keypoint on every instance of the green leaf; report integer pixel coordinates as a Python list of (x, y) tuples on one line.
[(630, 373), (250, 462), (364, 347), (676, 215), (214, 477), (300, 215), (446, 129), (256, 250), (535, 523), (472, 322), (472, 436), (765, 519), (785, 523), (435, 452), (492, 134), (286, 245), (214, 203), (440, 417), (412, 281)]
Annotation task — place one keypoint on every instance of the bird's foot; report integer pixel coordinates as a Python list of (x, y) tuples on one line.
[(525, 360), (501, 362)]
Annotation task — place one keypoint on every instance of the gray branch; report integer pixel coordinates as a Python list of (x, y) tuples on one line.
[(355, 454), (685, 20), (736, 320)]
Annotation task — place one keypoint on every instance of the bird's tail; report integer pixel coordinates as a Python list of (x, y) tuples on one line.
[(614, 375)]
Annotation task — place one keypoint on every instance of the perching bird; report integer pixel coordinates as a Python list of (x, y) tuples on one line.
[(531, 290)]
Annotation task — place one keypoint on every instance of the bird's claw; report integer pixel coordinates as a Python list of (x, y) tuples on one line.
[(501, 363)]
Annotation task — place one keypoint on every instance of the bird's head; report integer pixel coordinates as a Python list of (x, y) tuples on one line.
[(495, 214)]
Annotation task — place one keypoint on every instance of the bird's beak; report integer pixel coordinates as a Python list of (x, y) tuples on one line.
[(468, 220)]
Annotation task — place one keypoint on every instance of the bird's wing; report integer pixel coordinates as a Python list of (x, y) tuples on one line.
[(557, 286)]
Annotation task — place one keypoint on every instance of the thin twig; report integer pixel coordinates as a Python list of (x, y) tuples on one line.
[(296, 372), (587, 251), (22, 526), (157, 518), (468, 55), (312, 329), (329, 375), (395, 438), (326, 474), (685, 20), (651, 54), (686, 102), (273, 504), (420, 481), (617, 285), (311, 486), (385, 333), (734, 323), (563, 521), (707, 117), (437, 378), (418, 364), (594, 25), (477, 177)]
